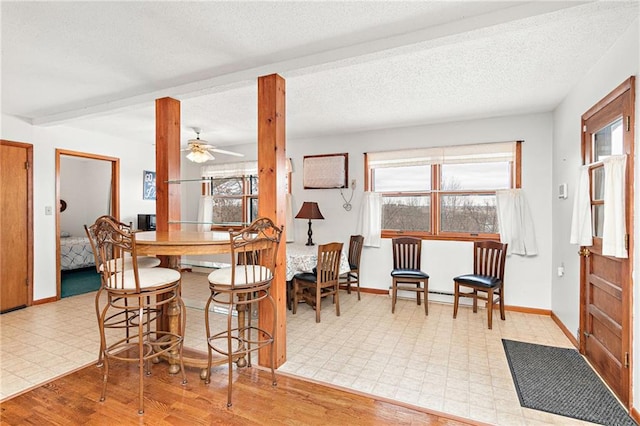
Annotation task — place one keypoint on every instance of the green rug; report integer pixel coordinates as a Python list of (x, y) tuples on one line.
[(79, 281)]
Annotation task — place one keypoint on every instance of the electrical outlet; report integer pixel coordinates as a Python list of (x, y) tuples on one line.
[(48, 210)]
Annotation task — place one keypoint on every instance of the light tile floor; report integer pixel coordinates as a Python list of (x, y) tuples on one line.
[(453, 366)]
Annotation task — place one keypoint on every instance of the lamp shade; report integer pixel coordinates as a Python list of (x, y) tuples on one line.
[(309, 210), (200, 156)]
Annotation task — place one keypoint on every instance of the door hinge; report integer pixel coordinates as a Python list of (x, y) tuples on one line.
[(26, 165), (626, 242), (584, 127), (628, 123), (626, 359)]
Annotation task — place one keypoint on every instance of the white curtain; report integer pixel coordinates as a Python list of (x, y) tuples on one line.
[(614, 228), (581, 232), (515, 222), (205, 213), (289, 228), (370, 224)]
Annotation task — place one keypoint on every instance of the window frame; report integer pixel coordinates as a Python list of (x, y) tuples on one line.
[(246, 197), (436, 194)]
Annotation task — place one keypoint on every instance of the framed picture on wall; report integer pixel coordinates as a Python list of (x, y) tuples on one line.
[(326, 171), (149, 185)]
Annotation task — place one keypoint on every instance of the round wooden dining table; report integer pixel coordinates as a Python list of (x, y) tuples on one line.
[(174, 244), (178, 243)]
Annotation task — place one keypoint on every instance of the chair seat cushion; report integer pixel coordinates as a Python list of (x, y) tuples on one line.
[(148, 262), (149, 278), (243, 276), (143, 262), (408, 273), (305, 276), (478, 280)]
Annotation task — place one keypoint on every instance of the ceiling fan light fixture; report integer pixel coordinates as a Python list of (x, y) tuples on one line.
[(198, 156)]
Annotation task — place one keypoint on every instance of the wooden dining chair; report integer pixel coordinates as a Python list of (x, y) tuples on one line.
[(355, 253), (123, 319), (406, 273), (142, 290), (487, 280), (323, 282), (239, 287)]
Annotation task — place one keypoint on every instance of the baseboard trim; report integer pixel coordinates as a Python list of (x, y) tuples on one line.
[(635, 415), (43, 301), (526, 310), (565, 330), (364, 290)]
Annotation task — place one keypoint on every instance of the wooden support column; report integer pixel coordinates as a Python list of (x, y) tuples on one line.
[(167, 163), (272, 202)]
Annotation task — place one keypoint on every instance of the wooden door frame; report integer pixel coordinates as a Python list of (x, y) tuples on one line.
[(115, 197), (29, 148), (627, 338)]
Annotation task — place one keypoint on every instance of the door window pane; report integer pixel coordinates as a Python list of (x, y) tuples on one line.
[(598, 220), (469, 213), (608, 141), (406, 213), (597, 183)]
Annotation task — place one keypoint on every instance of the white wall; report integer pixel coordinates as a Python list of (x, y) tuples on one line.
[(134, 158), (85, 185), (528, 279), (621, 62)]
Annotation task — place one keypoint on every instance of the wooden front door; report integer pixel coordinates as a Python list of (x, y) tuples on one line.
[(16, 241), (606, 280)]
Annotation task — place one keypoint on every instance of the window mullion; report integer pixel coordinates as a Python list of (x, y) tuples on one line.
[(435, 199)]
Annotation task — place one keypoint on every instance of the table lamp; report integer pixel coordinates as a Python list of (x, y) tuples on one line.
[(309, 210)]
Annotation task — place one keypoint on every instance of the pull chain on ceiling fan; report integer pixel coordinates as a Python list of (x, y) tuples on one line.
[(200, 150)]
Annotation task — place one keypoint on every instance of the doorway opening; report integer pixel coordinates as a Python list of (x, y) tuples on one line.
[(87, 186)]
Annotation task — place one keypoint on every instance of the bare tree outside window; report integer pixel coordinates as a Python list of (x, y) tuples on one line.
[(234, 199), (407, 213)]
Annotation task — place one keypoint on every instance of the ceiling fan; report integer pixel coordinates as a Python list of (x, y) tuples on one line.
[(200, 150)]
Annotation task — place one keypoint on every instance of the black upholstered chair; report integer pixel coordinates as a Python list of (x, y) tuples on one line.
[(313, 286), (487, 280), (355, 252), (406, 272)]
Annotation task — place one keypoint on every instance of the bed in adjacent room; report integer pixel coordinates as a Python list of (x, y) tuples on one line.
[(75, 252)]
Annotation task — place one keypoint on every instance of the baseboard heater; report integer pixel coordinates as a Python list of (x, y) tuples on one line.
[(439, 292), (443, 293)]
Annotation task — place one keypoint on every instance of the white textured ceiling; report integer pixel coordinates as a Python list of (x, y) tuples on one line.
[(349, 66)]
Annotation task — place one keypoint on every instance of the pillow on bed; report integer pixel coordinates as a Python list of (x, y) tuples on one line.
[(64, 234)]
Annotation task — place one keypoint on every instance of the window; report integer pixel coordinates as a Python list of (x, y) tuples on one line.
[(445, 192), (232, 199), (234, 191)]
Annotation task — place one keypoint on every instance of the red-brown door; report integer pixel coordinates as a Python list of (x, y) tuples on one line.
[(16, 253), (606, 280)]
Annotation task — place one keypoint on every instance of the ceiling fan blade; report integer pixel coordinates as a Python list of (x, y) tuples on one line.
[(222, 151)]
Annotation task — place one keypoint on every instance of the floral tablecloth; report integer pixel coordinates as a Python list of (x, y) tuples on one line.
[(303, 258)]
